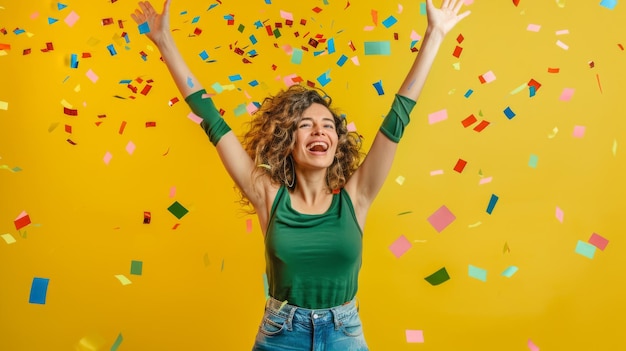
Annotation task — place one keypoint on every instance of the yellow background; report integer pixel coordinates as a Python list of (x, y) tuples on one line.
[(202, 283)]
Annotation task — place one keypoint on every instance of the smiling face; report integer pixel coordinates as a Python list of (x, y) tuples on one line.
[(316, 138)]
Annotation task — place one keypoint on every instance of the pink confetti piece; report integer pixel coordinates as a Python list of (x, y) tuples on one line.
[(248, 225), (71, 19), (598, 241), (441, 218), (400, 246), (415, 36), (107, 158), (562, 45), (351, 127), (130, 147), (559, 214), (437, 116), (562, 32), (196, 119), (355, 60), (487, 77), (532, 346), (414, 336), (485, 180), (579, 131), (92, 76), (533, 28), (436, 172), (286, 15), (251, 108), (567, 94), (173, 191), (34, 15)]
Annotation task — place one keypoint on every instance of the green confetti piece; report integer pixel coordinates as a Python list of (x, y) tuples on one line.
[(377, 48), (438, 277), (136, 267), (177, 210)]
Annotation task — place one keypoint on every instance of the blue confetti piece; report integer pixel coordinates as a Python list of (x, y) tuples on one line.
[(229, 17), (296, 56), (111, 49), (144, 28), (377, 48), (127, 39), (39, 290), (492, 203), (195, 20), (126, 81), (257, 104), (609, 4), (331, 46), (390, 21), (61, 6), (585, 249), (342, 60), (74, 61), (18, 31), (533, 90), (253, 83), (317, 53), (212, 6), (269, 2), (509, 113), (258, 24), (468, 93), (253, 39), (478, 273), (379, 87), (52, 20), (234, 77), (252, 53), (184, 12), (324, 78), (204, 55), (533, 161)]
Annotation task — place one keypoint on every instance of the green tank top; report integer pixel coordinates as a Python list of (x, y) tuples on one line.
[(313, 261)]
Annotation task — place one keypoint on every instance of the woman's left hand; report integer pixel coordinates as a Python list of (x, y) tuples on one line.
[(445, 18)]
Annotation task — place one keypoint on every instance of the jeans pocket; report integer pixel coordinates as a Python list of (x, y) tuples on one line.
[(351, 325), (272, 324)]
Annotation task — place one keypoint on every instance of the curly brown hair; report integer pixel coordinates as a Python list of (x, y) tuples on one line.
[(270, 140)]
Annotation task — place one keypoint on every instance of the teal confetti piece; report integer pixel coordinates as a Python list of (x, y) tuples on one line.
[(586, 249), (268, 2), (144, 28), (39, 290), (377, 48), (532, 90), (253, 39), (183, 13), (492, 203), (61, 6), (468, 93), (204, 55), (342, 60), (117, 342), (423, 8), (509, 113), (212, 6), (438, 277), (258, 24), (195, 20), (509, 271), (217, 87), (477, 273), (533, 161), (379, 87), (324, 78), (296, 56), (126, 81), (136, 267), (253, 83), (52, 20), (390, 21), (177, 210), (609, 4), (331, 45)]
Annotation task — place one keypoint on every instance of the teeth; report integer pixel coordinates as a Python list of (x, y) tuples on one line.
[(318, 143)]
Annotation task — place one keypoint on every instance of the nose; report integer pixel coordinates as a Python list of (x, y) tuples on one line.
[(318, 130)]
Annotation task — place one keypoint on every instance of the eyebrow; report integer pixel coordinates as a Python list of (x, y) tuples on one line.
[(323, 119)]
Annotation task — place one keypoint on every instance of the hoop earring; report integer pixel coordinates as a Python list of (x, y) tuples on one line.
[(293, 172)]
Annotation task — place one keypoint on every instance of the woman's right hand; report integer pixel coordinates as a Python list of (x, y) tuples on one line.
[(158, 23)]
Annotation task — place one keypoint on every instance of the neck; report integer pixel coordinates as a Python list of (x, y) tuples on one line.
[(311, 186)]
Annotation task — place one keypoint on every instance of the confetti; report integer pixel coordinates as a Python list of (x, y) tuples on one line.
[(122, 278), (439, 277), (71, 19), (532, 162), (609, 4), (585, 249), (579, 132), (414, 336), (117, 342), (22, 220), (377, 48), (39, 291), (487, 77), (533, 28), (438, 116), (492, 203), (441, 219), (559, 214), (598, 241), (567, 94), (136, 267), (4, 105), (531, 345), (477, 273), (509, 271), (178, 210), (400, 246)]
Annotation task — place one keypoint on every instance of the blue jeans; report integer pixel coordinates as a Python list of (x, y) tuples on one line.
[(293, 328)]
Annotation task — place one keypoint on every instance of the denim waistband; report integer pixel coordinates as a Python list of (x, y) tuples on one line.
[(334, 314)]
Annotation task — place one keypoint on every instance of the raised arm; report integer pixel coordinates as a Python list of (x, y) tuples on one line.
[(235, 159), (370, 177)]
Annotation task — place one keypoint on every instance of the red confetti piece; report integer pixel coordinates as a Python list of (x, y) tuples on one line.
[(395, 36), (460, 38), (173, 101), (122, 126), (469, 121), (482, 125), (197, 31), (132, 88), (313, 42), (49, 46), (71, 142), (175, 226), (98, 123), (147, 217), (26, 52), (102, 116), (68, 128), (22, 222), (289, 23), (317, 9), (86, 55), (457, 51), (460, 165), (553, 70), (269, 30), (146, 89), (120, 23), (515, 2), (303, 22), (534, 83), (107, 21), (150, 124), (139, 80), (70, 112), (620, 46), (5, 46), (278, 25)]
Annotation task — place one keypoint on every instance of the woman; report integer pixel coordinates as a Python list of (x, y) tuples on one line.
[(300, 170)]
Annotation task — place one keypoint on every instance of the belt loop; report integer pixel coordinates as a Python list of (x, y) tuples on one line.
[(336, 317), (292, 312)]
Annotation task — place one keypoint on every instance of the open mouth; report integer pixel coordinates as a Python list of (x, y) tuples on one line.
[(317, 146)]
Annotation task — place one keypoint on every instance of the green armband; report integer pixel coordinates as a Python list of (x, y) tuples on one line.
[(397, 118), (212, 122)]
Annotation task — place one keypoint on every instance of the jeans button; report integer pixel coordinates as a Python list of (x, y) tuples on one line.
[(315, 316)]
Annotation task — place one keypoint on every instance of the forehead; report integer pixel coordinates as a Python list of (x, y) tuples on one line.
[(317, 111)]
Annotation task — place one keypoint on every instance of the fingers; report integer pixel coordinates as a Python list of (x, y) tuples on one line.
[(464, 14), (457, 7)]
